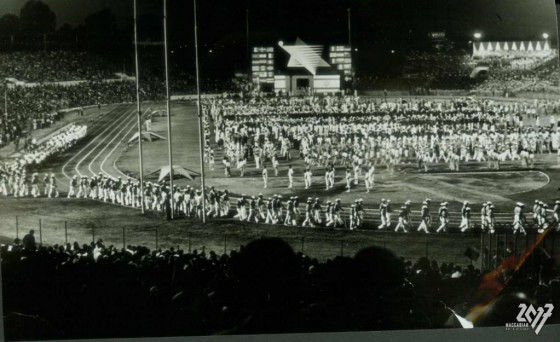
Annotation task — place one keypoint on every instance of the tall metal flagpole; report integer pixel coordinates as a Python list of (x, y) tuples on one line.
[(6, 103), (248, 51), (168, 107), (141, 166), (200, 125), (349, 28)]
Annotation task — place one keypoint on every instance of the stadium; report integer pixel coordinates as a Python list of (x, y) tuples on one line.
[(271, 178)]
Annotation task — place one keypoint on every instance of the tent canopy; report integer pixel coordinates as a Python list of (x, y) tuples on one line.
[(150, 136), (178, 170)]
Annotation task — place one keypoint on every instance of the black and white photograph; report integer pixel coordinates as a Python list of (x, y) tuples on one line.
[(211, 168)]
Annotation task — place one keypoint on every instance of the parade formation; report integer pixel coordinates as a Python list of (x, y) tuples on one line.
[(360, 133), (347, 139)]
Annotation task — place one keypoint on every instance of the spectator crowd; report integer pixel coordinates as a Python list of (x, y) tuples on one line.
[(37, 106), (54, 66), (95, 290)]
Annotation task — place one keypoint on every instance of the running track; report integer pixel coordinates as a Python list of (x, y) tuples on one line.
[(100, 149)]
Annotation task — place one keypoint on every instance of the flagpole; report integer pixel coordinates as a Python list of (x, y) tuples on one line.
[(349, 27), (6, 103), (247, 48), (141, 166), (200, 125), (168, 107)]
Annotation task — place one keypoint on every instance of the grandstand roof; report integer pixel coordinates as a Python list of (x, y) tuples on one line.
[(509, 47)]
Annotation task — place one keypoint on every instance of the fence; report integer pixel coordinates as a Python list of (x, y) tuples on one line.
[(479, 249)]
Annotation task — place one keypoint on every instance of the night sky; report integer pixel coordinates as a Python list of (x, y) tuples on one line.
[(322, 19)]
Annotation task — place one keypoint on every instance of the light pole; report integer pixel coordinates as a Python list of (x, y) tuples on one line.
[(477, 36), (545, 37)]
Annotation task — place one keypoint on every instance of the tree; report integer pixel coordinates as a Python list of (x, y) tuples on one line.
[(101, 26), (66, 31), (9, 25), (37, 18)]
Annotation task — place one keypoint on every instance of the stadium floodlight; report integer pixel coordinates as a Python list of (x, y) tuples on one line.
[(477, 35), (545, 35)]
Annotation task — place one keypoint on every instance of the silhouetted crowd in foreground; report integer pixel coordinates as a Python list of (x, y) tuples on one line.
[(100, 291)]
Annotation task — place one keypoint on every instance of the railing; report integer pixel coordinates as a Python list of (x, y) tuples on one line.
[(481, 250)]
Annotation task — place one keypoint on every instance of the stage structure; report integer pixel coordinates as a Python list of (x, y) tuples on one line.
[(305, 72)]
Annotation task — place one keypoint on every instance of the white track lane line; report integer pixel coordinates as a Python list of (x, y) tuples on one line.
[(116, 159), (85, 147), (94, 132), (117, 135), (134, 124), (113, 128), (117, 169), (113, 150)]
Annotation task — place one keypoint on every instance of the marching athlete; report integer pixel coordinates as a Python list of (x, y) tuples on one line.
[(72, 187), (53, 187), (519, 219), (402, 220), (290, 177), (443, 218), (465, 217), (348, 178), (265, 176)]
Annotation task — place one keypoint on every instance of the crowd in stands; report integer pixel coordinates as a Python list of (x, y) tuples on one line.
[(54, 66), (427, 73), (438, 70), (513, 63), (95, 291), (504, 79), (39, 106)]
